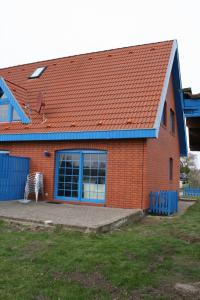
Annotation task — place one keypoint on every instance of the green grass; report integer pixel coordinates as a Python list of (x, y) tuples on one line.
[(144, 260)]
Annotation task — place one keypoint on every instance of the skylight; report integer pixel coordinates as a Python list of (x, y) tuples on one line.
[(38, 72)]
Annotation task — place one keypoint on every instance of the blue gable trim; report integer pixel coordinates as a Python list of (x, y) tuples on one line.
[(83, 135), (11, 99), (176, 77), (174, 69)]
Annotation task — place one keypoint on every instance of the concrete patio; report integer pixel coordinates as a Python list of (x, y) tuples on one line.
[(83, 218)]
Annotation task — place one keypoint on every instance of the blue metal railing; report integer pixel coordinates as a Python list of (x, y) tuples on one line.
[(164, 202), (191, 192)]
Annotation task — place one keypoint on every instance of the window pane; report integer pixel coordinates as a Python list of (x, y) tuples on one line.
[(61, 193), (4, 112), (15, 116), (68, 175), (93, 186)]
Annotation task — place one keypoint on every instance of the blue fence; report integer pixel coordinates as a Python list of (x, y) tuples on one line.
[(164, 202), (13, 174), (191, 192)]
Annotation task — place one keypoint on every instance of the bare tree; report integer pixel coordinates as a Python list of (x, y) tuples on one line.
[(189, 167)]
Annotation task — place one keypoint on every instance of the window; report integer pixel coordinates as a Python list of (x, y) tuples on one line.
[(7, 112), (81, 176), (37, 73), (16, 117), (171, 168), (4, 112), (164, 115), (172, 121)]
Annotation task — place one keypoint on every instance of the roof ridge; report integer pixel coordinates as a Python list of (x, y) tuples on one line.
[(87, 53)]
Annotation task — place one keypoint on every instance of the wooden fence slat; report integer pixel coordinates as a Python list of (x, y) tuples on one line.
[(164, 202)]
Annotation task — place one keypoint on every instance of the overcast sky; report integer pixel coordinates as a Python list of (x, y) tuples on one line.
[(33, 30)]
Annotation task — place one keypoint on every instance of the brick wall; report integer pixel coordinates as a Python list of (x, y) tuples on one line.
[(124, 166), (158, 152)]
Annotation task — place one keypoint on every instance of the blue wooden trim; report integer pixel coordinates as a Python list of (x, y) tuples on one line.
[(79, 199), (176, 77), (80, 181), (81, 135), (56, 160), (12, 100), (192, 108), (89, 151)]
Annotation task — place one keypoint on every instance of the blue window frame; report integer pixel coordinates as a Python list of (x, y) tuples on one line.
[(81, 175)]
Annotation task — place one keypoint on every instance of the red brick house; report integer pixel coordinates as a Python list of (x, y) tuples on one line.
[(104, 128)]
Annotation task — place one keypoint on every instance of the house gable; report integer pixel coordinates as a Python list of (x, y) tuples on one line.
[(13, 111)]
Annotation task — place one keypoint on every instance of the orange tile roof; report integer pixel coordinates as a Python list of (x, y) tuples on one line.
[(108, 90)]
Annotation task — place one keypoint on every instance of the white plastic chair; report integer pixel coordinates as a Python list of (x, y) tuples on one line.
[(34, 184)]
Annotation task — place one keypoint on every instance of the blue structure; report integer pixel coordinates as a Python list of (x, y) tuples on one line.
[(192, 114), (13, 174), (191, 192), (164, 202)]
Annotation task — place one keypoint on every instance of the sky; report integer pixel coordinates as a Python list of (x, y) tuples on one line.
[(34, 30)]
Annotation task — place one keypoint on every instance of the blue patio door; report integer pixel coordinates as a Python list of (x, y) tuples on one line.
[(68, 175), (81, 176)]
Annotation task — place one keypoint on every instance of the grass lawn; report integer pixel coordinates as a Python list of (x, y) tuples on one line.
[(142, 261)]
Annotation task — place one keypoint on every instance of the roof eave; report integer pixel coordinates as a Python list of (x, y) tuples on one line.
[(81, 135)]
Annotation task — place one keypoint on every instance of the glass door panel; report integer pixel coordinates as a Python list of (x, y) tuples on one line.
[(94, 173), (68, 175)]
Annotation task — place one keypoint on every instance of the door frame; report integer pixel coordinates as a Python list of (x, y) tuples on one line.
[(80, 180)]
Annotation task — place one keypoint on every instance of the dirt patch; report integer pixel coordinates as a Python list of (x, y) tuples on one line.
[(164, 292), (34, 249), (40, 297), (152, 220), (190, 239), (93, 281), (167, 291), (19, 226), (130, 255)]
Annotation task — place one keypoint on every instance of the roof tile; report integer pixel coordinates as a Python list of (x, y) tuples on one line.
[(107, 90)]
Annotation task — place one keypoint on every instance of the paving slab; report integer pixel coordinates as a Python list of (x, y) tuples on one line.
[(78, 217), (184, 205)]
